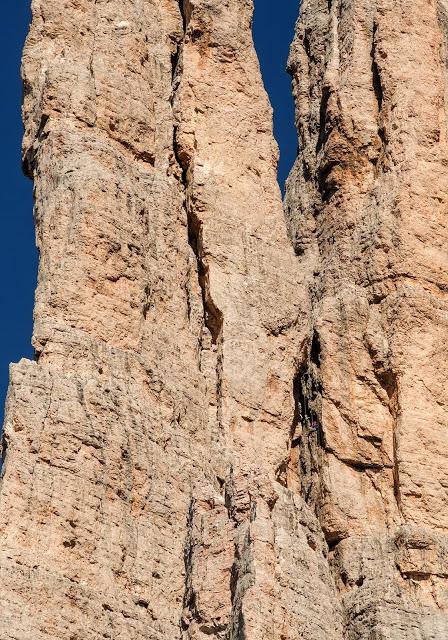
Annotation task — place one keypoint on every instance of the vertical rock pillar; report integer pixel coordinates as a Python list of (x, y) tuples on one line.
[(366, 206)]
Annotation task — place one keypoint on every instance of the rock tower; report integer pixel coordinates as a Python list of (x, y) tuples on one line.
[(235, 428)]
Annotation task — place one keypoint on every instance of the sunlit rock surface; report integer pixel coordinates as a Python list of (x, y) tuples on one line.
[(228, 432), (366, 206)]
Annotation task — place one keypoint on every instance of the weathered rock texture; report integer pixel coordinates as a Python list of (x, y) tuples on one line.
[(367, 203), (140, 493), (220, 438)]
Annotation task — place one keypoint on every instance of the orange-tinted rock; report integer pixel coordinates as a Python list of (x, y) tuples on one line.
[(366, 207), (223, 435), (143, 491)]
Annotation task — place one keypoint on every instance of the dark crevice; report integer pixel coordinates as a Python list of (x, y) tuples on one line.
[(359, 465), (376, 77), (28, 164), (43, 121), (301, 470), (417, 576), (213, 317), (315, 350), (4, 446), (396, 475), (326, 183), (379, 96), (196, 35), (189, 604), (183, 14), (309, 392), (322, 139), (374, 439), (296, 388), (147, 302), (332, 543), (175, 55), (29, 158), (92, 60), (69, 544), (240, 582), (306, 43), (377, 90)]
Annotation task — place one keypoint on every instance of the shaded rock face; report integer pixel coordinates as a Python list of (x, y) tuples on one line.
[(226, 434)]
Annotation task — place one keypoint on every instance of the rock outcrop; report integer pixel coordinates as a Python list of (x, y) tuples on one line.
[(366, 207), (226, 434)]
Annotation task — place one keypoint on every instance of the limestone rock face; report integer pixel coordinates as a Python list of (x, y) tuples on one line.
[(144, 487), (225, 434), (366, 206)]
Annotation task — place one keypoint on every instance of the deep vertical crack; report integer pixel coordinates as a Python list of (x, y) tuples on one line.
[(92, 58), (309, 398), (4, 451), (322, 137), (176, 55), (190, 612), (301, 468), (376, 77), (212, 315), (377, 86)]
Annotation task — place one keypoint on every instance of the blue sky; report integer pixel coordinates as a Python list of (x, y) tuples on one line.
[(273, 30), (18, 259)]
